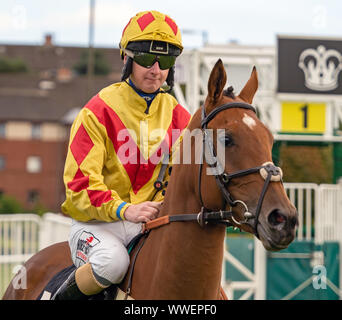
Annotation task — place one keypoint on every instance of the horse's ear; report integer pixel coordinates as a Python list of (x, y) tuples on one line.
[(248, 91), (217, 81)]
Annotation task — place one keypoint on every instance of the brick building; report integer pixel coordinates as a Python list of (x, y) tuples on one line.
[(36, 110)]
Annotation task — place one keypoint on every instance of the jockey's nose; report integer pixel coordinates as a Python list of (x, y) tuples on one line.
[(155, 67)]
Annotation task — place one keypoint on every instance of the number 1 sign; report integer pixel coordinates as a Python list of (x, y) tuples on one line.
[(303, 117)]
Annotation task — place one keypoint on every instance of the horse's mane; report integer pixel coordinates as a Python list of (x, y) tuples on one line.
[(229, 92)]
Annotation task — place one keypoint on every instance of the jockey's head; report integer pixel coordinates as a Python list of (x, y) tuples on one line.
[(148, 37)]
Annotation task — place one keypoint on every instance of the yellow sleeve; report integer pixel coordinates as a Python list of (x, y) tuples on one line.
[(87, 196)]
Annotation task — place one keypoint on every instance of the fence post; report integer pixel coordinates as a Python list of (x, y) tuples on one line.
[(260, 266)]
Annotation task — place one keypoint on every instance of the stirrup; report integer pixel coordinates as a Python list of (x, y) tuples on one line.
[(69, 290)]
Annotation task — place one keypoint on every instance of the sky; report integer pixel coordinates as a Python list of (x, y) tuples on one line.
[(248, 22)]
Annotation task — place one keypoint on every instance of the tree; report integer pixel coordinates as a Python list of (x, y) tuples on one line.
[(10, 205), (12, 65), (101, 66)]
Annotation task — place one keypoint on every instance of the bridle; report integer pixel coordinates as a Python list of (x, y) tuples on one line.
[(268, 171)]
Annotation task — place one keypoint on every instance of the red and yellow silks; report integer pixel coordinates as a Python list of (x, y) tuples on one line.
[(115, 151)]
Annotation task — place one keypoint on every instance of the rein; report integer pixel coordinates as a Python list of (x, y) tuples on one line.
[(203, 217), (268, 171)]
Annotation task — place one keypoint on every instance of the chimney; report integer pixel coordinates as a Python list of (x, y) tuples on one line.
[(48, 40)]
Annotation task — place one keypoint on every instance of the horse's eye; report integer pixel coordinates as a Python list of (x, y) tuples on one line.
[(226, 140)]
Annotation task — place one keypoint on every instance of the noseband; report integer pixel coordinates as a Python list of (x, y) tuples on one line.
[(268, 171)]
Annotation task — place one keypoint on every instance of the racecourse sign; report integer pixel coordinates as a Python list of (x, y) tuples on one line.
[(309, 65), (308, 117)]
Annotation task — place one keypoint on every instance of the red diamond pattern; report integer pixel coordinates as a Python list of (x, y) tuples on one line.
[(79, 183), (98, 197), (126, 27), (113, 125), (172, 24), (81, 145), (145, 20)]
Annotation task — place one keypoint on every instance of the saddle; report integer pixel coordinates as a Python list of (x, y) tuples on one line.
[(113, 292)]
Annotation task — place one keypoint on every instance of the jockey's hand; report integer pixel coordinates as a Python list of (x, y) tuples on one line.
[(142, 212)]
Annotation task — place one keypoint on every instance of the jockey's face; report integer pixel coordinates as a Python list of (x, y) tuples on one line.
[(148, 80)]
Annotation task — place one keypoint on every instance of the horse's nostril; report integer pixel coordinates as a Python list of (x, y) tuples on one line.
[(293, 222), (276, 218)]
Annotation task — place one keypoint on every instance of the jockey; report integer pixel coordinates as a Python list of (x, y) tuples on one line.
[(117, 146)]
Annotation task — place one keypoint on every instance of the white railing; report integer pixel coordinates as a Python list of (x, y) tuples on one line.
[(317, 205), (54, 228), (328, 222), (22, 235), (255, 286), (19, 237), (305, 198)]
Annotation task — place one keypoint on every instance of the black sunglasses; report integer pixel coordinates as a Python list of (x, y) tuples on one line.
[(147, 60)]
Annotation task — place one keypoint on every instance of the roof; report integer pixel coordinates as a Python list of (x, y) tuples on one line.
[(41, 57), (50, 90), (22, 99)]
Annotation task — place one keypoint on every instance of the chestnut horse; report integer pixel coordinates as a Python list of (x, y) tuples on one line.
[(182, 256)]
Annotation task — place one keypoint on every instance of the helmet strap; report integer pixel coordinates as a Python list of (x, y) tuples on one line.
[(127, 69), (170, 80)]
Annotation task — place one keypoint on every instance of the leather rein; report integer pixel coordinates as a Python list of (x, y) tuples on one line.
[(267, 170)]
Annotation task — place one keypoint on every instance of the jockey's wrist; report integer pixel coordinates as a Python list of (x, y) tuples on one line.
[(120, 211), (124, 211)]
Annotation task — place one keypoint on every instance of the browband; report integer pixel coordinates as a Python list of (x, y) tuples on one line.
[(207, 118)]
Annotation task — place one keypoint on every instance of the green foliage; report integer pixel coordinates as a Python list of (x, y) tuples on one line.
[(101, 66), (305, 163), (10, 205), (12, 65), (39, 209)]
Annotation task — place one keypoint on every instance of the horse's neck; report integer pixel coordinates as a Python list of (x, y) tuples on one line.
[(183, 260)]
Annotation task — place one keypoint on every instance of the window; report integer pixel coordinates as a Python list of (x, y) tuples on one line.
[(2, 162), (32, 196), (34, 164), (36, 132), (2, 130)]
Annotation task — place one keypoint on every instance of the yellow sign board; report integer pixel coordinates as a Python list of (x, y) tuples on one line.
[(303, 117)]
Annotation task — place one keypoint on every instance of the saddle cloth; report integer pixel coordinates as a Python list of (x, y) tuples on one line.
[(110, 293), (113, 292)]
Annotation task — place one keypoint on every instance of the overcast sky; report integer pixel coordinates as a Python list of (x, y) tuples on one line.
[(244, 21)]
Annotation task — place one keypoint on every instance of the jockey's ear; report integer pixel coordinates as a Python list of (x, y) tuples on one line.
[(248, 91), (217, 81)]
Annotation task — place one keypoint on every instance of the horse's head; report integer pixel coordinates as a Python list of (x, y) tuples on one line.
[(249, 183)]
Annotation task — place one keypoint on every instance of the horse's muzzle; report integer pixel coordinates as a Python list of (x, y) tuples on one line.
[(279, 229)]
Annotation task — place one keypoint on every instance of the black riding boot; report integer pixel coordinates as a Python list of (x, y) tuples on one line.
[(69, 290)]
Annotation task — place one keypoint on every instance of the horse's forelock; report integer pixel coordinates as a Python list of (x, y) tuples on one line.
[(229, 92)]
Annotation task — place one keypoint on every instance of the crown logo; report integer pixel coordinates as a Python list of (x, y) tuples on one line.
[(321, 68)]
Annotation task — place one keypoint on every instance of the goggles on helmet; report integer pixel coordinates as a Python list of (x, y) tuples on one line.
[(147, 60)]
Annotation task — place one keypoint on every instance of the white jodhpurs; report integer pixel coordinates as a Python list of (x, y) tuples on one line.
[(103, 245)]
